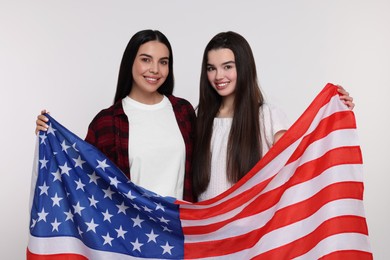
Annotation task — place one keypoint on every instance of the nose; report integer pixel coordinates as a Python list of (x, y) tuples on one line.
[(219, 74), (153, 68)]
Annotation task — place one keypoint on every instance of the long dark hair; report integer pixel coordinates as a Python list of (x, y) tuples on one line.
[(244, 144), (125, 77)]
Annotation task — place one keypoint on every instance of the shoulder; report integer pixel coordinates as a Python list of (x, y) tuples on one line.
[(272, 115), (272, 111), (268, 107), (178, 100), (108, 113), (184, 111), (180, 103)]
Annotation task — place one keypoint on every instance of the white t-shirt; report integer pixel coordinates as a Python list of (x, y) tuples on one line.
[(272, 120), (156, 147)]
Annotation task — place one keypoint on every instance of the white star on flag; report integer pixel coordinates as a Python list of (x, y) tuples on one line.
[(121, 232), (91, 226), (102, 164)]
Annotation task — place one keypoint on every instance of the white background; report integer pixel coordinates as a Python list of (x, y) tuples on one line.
[(65, 56)]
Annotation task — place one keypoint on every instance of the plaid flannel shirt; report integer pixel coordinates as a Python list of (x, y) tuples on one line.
[(109, 132)]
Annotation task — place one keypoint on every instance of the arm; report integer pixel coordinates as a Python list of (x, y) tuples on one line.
[(279, 135)]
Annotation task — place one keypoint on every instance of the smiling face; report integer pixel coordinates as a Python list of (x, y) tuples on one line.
[(150, 70), (222, 72)]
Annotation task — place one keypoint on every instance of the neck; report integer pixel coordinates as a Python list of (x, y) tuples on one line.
[(227, 107), (146, 98)]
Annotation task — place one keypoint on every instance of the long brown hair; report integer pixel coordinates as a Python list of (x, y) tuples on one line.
[(244, 144)]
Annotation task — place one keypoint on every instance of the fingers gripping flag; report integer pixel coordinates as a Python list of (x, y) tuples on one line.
[(302, 200)]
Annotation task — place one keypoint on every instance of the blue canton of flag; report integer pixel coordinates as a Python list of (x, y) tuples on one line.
[(84, 200)]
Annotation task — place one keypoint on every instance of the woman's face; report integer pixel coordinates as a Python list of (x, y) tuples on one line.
[(221, 71), (150, 68)]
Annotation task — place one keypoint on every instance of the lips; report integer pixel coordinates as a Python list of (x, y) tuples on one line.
[(221, 85), (151, 80)]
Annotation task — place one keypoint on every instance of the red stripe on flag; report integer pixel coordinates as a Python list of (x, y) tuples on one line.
[(32, 256), (223, 207), (336, 121), (282, 217), (343, 224), (348, 254), (300, 127), (338, 156)]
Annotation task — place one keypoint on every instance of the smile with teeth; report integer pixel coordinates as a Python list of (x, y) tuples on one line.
[(151, 80), (221, 85)]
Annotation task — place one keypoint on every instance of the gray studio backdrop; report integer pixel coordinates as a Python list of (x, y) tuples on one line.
[(65, 55)]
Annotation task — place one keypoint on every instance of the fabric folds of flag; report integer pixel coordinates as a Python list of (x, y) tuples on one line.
[(302, 200)]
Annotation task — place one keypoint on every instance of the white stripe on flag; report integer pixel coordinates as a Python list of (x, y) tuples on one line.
[(345, 241), (284, 235), (290, 197), (317, 149), (72, 245)]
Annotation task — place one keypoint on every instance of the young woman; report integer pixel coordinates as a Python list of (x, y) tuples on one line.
[(235, 127), (147, 132)]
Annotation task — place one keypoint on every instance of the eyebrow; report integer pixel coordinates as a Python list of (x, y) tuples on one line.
[(150, 56), (225, 63)]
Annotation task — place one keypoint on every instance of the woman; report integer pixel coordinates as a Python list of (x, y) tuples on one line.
[(147, 132), (235, 127)]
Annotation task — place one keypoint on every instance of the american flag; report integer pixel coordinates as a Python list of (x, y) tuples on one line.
[(302, 200)]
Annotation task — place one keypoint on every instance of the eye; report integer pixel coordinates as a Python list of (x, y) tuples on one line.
[(145, 59), (210, 68), (164, 62)]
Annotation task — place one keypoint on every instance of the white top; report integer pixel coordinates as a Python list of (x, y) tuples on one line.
[(272, 120), (156, 147)]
